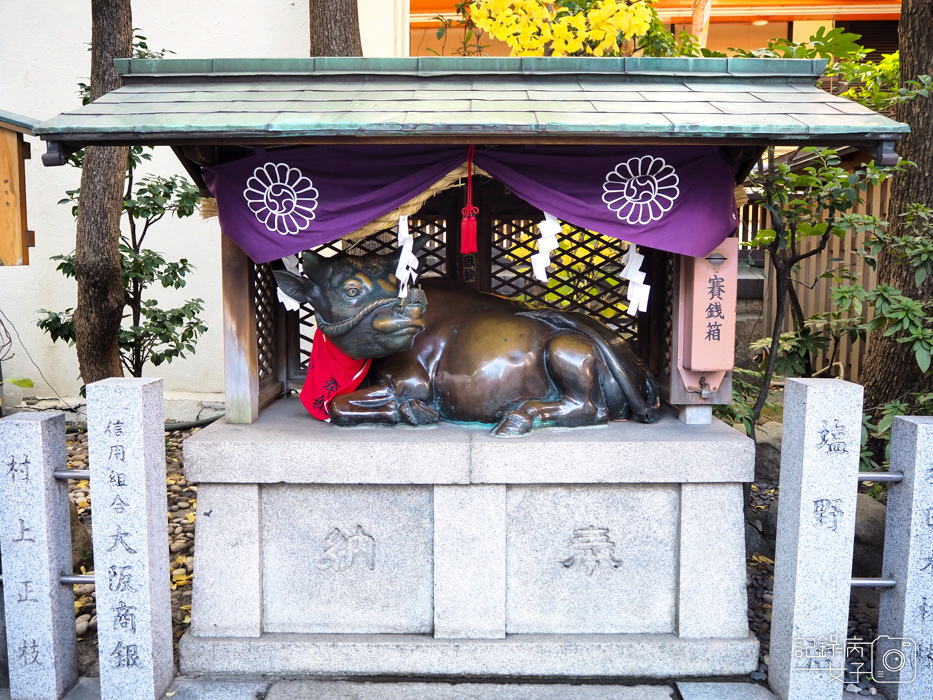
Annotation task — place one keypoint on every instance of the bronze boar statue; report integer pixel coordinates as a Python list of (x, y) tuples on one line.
[(449, 353)]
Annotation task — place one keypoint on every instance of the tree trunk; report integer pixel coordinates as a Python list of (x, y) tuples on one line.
[(99, 310), (890, 370), (335, 28)]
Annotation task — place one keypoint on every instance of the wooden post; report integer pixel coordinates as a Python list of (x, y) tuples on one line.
[(241, 362), (14, 236), (700, 26)]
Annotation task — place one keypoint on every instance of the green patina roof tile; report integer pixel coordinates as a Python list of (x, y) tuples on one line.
[(162, 67), (471, 94), (739, 125), (447, 96), (526, 105), (851, 123), (656, 107), (813, 95), (17, 121), (600, 84), (742, 85), (581, 94), (622, 123), (461, 64), (690, 96), (348, 120), (756, 108), (430, 119), (677, 65), (769, 66)]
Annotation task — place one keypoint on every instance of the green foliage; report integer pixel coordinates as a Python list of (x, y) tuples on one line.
[(835, 44), (150, 334), (745, 387), (659, 41), (153, 335), (917, 404), (470, 42)]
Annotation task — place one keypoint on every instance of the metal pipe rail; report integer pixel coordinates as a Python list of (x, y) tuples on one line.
[(873, 583), (894, 478)]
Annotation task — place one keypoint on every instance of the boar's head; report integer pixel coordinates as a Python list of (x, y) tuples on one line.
[(356, 303)]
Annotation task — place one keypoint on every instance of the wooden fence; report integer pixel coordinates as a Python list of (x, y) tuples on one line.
[(813, 291)]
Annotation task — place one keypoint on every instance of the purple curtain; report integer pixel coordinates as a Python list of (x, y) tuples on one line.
[(674, 198)]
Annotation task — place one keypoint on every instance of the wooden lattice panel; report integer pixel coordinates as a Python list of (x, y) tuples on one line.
[(265, 299), (583, 276)]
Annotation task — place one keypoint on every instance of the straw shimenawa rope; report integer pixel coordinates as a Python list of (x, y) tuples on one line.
[(412, 206)]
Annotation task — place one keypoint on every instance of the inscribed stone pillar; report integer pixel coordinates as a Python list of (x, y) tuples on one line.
[(126, 447), (469, 561), (816, 527), (35, 539), (903, 654)]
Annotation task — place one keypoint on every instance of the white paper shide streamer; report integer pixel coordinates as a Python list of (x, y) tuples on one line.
[(407, 270), (549, 228), (291, 264), (638, 291)]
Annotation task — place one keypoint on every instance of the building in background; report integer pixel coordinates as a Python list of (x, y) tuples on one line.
[(745, 24)]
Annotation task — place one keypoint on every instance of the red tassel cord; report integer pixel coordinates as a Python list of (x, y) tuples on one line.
[(468, 225)]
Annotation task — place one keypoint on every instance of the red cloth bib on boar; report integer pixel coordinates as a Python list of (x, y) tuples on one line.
[(330, 372)]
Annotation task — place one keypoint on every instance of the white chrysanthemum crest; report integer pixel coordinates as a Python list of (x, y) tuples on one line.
[(641, 190), (282, 199)]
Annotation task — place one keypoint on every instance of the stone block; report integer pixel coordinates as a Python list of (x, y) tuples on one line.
[(36, 546), (816, 529), (724, 691), (469, 561), (868, 552), (545, 656), (346, 690), (768, 452), (578, 556), (906, 611), (126, 450), (228, 558), (286, 445), (668, 451), (711, 600), (348, 559)]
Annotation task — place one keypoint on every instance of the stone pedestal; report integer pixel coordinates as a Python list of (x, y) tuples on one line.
[(614, 551)]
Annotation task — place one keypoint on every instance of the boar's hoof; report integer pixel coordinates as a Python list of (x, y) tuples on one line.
[(513, 424), (417, 413)]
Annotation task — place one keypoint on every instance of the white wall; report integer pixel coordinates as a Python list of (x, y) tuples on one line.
[(43, 55)]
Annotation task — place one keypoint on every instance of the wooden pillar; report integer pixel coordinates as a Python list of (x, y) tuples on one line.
[(241, 362), (700, 25)]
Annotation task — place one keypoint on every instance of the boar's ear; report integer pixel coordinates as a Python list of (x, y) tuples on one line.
[(295, 286)]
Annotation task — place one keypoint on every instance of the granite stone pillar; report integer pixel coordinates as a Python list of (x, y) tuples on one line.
[(816, 528), (35, 539), (126, 447), (469, 562), (903, 654)]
